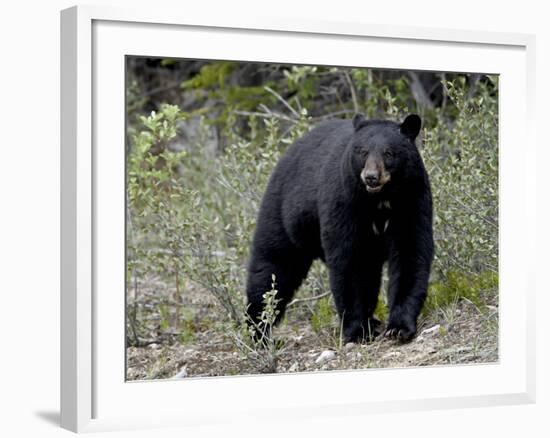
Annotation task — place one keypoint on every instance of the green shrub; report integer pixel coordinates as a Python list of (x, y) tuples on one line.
[(462, 160), (457, 285), (255, 338)]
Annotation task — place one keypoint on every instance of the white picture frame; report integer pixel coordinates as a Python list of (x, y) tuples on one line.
[(94, 394)]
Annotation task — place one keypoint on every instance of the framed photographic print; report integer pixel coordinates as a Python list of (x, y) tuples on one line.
[(335, 211)]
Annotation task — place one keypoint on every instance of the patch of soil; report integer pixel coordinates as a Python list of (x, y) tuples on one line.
[(459, 334)]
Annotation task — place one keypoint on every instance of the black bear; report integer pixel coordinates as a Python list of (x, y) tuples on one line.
[(355, 194)]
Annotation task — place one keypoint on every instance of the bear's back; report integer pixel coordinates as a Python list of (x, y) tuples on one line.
[(300, 173), (304, 160)]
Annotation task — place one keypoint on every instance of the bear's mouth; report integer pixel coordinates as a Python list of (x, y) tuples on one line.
[(374, 181), (373, 188)]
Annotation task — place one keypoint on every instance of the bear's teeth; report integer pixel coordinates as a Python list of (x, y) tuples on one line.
[(376, 232)]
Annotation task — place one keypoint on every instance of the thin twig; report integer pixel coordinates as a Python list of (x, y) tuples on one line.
[(161, 89), (334, 114), (301, 300), (266, 115), (283, 101)]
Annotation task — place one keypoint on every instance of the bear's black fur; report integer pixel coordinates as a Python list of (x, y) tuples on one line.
[(354, 194)]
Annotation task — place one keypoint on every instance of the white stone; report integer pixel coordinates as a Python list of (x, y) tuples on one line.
[(430, 330), (349, 346), (293, 368), (325, 356), (181, 374), (392, 354)]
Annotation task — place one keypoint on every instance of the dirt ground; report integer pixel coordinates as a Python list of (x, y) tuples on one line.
[(202, 345)]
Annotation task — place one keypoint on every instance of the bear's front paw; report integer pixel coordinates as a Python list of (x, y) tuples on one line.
[(353, 332), (363, 332), (401, 328)]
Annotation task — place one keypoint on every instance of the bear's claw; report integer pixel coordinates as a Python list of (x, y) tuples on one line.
[(400, 334)]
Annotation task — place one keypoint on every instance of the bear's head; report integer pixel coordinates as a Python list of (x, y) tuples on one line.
[(384, 152)]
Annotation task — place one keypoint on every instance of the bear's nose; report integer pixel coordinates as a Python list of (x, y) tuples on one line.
[(371, 178)]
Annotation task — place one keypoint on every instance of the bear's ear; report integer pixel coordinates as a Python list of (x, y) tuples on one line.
[(358, 121), (411, 126)]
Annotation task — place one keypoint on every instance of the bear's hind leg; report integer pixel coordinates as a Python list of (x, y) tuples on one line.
[(289, 270)]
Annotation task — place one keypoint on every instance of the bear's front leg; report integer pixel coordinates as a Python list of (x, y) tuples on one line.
[(355, 287), (407, 292), (410, 258)]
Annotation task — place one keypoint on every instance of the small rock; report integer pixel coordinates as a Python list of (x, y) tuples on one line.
[(325, 356), (430, 330), (181, 374), (293, 368), (392, 354), (349, 346)]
